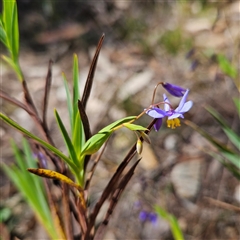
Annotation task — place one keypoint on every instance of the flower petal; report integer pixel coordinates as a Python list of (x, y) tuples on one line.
[(158, 124), (166, 106), (174, 90), (156, 113), (176, 115), (182, 102), (186, 107)]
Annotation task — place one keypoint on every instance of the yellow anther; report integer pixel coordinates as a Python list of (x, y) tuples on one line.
[(173, 123)]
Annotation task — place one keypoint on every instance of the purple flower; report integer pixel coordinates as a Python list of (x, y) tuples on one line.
[(148, 216), (174, 90), (143, 216), (152, 217), (172, 114)]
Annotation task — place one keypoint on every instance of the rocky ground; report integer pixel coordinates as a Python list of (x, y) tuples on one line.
[(144, 43)]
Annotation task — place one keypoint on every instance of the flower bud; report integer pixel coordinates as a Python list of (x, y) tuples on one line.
[(174, 90), (139, 146)]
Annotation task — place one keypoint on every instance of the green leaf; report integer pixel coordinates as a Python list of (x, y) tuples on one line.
[(233, 158), (3, 35), (226, 66), (175, 228), (94, 143), (31, 187), (232, 168), (14, 66), (78, 135), (75, 89), (43, 143), (134, 127), (223, 149), (237, 104), (67, 139), (10, 23), (233, 137), (220, 146), (5, 214), (117, 123), (15, 34), (69, 101)]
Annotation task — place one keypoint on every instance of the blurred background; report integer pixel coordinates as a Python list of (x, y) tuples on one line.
[(194, 44)]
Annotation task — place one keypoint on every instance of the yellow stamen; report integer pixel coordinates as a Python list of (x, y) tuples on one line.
[(173, 123)]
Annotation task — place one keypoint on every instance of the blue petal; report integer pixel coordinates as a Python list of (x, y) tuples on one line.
[(187, 106), (143, 216), (175, 90), (156, 113), (176, 115), (182, 102), (166, 106), (158, 124), (152, 217)]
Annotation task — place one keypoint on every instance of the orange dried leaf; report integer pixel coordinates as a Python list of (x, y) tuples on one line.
[(54, 175)]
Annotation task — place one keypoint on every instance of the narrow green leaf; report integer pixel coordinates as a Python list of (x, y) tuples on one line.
[(15, 34), (94, 143), (78, 135), (117, 123), (233, 158), (43, 143), (220, 146), (237, 104), (3, 35), (226, 66), (134, 127), (69, 101), (14, 66), (10, 23), (27, 189), (233, 137), (235, 171), (75, 88), (31, 188), (7, 18), (175, 228), (67, 139), (5, 214)]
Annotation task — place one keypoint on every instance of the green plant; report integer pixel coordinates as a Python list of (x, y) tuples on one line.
[(70, 169), (31, 187), (175, 228), (228, 156)]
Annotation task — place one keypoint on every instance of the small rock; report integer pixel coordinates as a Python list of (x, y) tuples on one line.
[(186, 177), (237, 193), (23, 119), (135, 84), (196, 25), (170, 142), (149, 160)]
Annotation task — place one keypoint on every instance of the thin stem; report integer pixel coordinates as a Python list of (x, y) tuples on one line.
[(154, 92)]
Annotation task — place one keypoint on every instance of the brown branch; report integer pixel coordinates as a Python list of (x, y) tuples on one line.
[(15, 102), (88, 85), (66, 212), (48, 83), (107, 191), (223, 204), (114, 200)]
